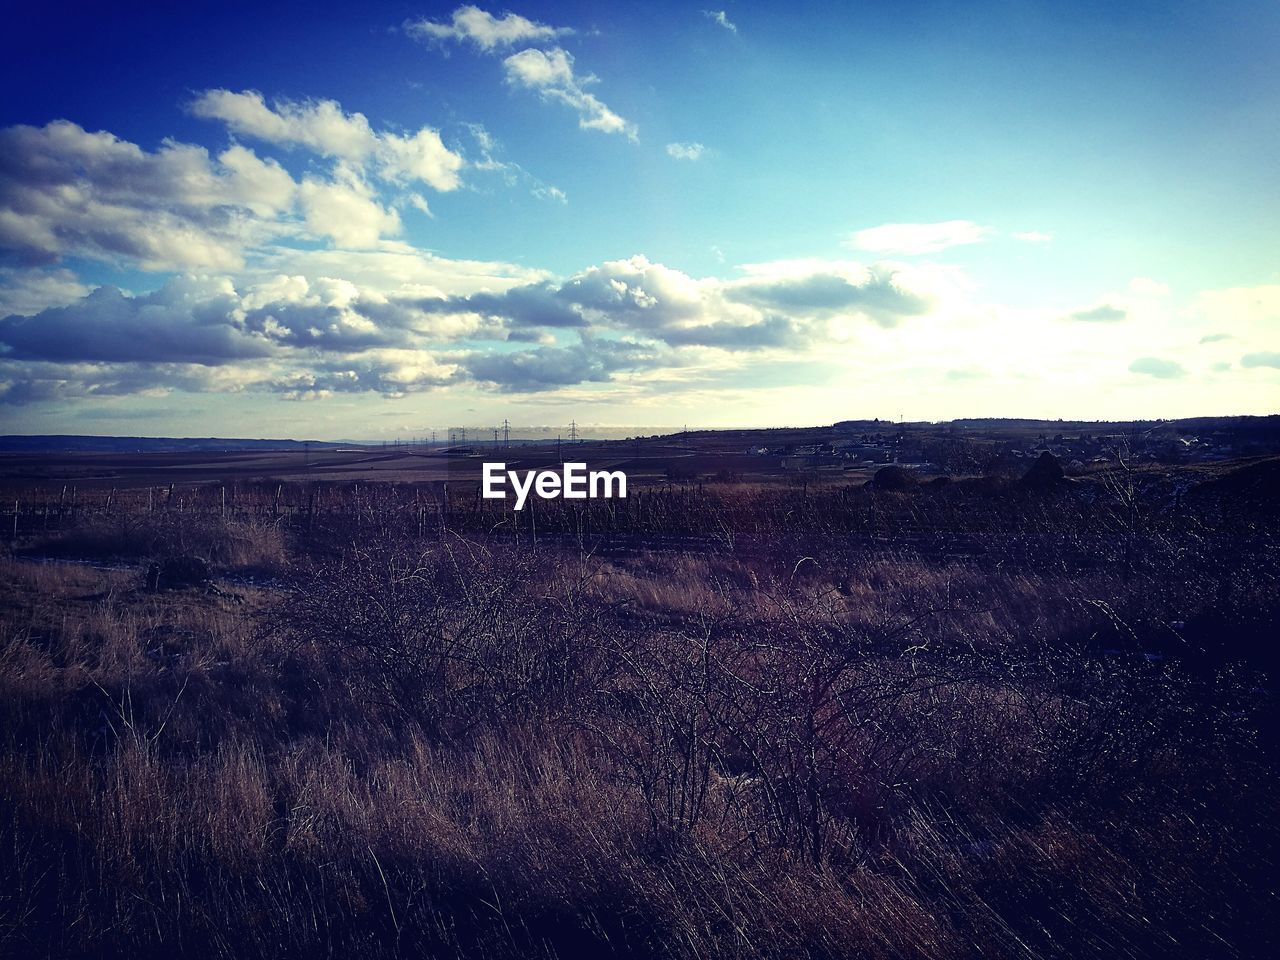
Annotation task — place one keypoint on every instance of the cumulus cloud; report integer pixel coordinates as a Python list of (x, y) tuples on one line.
[(686, 151), (33, 383), (776, 305), (550, 74), (392, 373), (1267, 359), (396, 269), (187, 320), (820, 290), (30, 291), (1103, 313), (345, 210), (485, 31), (722, 18), (918, 238), (206, 320), (1033, 236), (290, 335), (395, 322), (66, 191), (323, 127), (1158, 368), (546, 368)]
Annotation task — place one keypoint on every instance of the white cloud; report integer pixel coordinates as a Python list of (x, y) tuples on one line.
[(537, 69), (289, 334), (395, 269), (551, 75), (65, 191), (346, 211), (1033, 236), (722, 18), (325, 128), (918, 238), (787, 305), (486, 31), (422, 156), (378, 324), (548, 192), (320, 125), (263, 186), (29, 291), (189, 319), (686, 151)]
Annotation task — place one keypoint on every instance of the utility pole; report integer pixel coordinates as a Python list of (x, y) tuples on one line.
[(506, 432), (573, 431)]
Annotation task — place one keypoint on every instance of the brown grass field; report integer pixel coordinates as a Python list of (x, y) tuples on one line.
[(734, 715)]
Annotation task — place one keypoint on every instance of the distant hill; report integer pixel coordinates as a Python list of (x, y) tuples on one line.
[(1188, 424), (84, 444)]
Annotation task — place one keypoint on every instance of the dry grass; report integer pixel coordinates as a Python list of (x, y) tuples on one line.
[(469, 749)]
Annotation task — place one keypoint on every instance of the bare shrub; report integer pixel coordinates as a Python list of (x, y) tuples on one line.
[(448, 636)]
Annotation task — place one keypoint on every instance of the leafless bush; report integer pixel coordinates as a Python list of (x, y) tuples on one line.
[(449, 636)]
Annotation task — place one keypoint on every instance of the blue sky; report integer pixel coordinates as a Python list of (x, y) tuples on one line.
[(266, 221)]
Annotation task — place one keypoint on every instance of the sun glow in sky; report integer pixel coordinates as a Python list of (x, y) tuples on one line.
[(279, 220)]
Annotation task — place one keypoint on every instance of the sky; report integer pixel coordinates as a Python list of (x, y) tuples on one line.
[(370, 221)]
